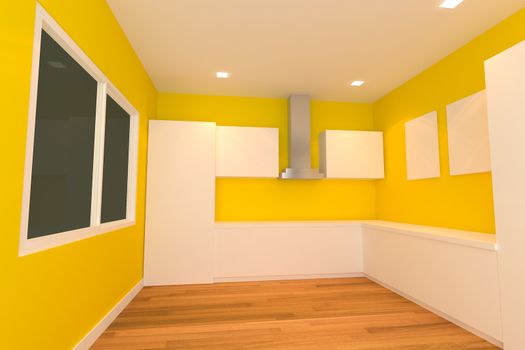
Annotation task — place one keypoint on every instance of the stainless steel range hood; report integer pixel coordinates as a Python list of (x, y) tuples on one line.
[(299, 157)]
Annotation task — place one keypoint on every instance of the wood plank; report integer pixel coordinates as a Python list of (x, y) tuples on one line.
[(331, 314)]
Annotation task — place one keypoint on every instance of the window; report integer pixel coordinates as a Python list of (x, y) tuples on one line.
[(116, 149), (63, 147), (81, 153)]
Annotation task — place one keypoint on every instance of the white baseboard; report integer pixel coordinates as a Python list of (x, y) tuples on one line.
[(287, 277), (439, 313), (90, 338)]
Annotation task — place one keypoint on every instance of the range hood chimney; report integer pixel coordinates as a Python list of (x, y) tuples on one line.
[(299, 157)]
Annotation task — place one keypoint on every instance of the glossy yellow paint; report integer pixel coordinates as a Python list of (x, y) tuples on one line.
[(461, 202), (275, 199), (51, 299)]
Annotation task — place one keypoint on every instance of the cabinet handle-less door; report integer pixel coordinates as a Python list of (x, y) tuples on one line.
[(180, 203)]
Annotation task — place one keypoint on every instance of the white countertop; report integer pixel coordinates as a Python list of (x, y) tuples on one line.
[(467, 238)]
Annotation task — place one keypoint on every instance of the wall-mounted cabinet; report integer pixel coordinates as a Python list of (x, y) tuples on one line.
[(422, 147), (351, 154), (468, 135), (247, 152)]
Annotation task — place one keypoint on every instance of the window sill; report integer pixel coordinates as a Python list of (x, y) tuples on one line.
[(34, 245)]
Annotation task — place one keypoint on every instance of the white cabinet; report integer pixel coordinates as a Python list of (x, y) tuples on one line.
[(468, 135), (351, 154), (180, 211), (505, 77), (283, 250), (422, 147), (247, 152), (451, 272)]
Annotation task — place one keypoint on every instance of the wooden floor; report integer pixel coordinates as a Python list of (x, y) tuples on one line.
[(339, 314)]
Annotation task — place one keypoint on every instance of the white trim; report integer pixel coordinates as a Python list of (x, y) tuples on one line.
[(98, 155), (133, 166), (439, 313), (92, 336), (30, 137), (121, 100), (287, 277), (43, 21), (34, 245)]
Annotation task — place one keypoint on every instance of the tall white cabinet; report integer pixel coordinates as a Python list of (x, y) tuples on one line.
[(505, 77), (180, 210), (184, 158)]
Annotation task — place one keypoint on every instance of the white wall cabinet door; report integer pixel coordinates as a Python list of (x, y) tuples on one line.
[(180, 211), (468, 135), (351, 154), (505, 77), (422, 147), (247, 152)]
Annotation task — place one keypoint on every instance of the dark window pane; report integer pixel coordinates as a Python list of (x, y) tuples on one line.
[(116, 155), (63, 144)]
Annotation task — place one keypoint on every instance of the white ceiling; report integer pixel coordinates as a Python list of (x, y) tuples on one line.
[(274, 48)]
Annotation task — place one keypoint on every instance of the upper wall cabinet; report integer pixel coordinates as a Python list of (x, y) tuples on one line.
[(422, 147), (351, 154), (468, 135), (247, 152)]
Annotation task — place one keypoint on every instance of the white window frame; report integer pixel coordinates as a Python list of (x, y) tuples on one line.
[(43, 21)]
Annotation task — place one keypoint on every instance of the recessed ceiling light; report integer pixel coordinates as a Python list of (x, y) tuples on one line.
[(223, 75), (450, 4), (357, 83)]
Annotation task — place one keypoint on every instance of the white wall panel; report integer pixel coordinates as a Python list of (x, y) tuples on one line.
[(247, 152), (180, 201), (351, 154), (422, 147), (505, 77), (468, 135)]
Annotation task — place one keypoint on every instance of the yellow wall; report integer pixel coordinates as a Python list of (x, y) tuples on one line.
[(462, 202), (274, 199), (50, 300)]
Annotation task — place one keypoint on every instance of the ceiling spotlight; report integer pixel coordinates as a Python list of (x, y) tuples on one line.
[(357, 83), (450, 4), (223, 75)]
